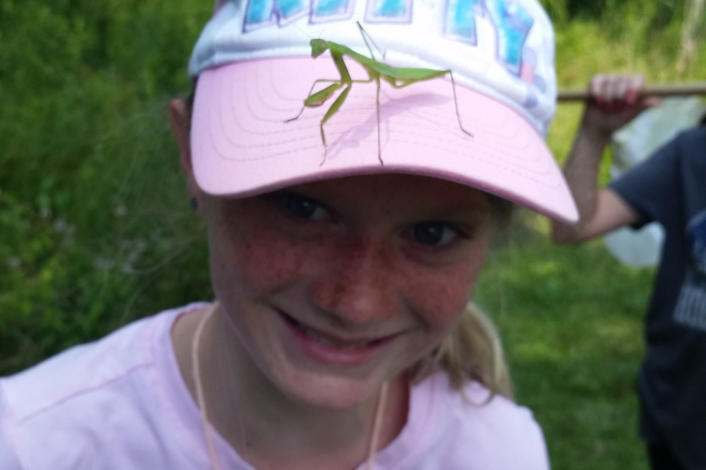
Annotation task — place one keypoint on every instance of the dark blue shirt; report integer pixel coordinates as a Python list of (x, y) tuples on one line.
[(670, 188)]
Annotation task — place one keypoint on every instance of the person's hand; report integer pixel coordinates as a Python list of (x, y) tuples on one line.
[(615, 101)]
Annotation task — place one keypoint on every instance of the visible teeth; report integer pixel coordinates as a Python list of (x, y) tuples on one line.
[(328, 342)]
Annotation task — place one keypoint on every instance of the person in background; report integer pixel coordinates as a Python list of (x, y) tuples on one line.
[(670, 188)]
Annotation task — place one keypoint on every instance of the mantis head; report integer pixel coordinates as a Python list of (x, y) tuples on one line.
[(318, 47)]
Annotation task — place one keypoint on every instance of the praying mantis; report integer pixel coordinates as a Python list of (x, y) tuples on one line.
[(398, 77)]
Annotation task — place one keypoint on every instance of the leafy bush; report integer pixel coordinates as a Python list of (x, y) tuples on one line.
[(92, 210)]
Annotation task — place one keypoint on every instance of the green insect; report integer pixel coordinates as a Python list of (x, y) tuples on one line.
[(398, 77)]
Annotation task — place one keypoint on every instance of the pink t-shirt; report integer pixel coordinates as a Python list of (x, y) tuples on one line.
[(120, 404)]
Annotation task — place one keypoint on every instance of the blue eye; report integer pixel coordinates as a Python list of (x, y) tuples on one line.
[(304, 207), (433, 233)]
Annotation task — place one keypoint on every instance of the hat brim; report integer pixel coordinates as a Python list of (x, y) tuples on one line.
[(244, 141)]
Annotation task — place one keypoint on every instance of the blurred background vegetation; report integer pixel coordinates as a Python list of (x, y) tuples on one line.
[(95, 229)]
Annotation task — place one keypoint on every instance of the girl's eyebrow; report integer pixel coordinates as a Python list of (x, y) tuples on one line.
[(467, 221), (286, 191), (291, 192), (456, 211), (279, 195)]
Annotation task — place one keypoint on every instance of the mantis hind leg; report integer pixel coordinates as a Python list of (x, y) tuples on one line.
[(402, 83), (458, 113), (377, 111)]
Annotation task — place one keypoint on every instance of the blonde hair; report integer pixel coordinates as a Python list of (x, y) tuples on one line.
[(472, 352)]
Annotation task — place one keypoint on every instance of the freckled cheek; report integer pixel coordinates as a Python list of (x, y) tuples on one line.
[(263, 261), (440, 296)]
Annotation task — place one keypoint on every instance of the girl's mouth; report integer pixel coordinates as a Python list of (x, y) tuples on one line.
[(328, 348)]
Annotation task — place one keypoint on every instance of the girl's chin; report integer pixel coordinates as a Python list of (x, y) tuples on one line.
[(329, 393)]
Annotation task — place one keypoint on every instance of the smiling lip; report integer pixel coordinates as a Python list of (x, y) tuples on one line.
[(325, 348)]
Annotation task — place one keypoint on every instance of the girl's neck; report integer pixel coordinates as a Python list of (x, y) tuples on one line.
[(265, 427)]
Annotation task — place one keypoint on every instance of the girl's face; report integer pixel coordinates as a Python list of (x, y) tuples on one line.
[(334, 287)]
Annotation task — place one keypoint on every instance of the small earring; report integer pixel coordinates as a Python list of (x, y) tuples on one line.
[(194, 205)]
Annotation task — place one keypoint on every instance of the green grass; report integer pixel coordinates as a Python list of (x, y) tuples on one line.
[(95, 228), (571, 320)]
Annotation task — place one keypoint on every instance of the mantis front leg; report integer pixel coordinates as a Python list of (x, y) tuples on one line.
[(314, 100), (336, 105), (330, 112)]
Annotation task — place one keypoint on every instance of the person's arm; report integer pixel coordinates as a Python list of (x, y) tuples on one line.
[(615, 102)]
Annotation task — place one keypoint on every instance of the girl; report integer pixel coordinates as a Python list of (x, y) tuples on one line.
[(349, 207)]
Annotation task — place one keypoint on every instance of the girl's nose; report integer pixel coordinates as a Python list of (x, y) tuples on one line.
[(359, 287)]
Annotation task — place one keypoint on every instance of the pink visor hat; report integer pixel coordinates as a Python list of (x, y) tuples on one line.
[(251, 132)]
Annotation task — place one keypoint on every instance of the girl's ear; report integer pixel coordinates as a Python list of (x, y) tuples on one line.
[(179, 116)]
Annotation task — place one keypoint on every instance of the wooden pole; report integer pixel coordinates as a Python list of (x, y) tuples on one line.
[(655, 90)]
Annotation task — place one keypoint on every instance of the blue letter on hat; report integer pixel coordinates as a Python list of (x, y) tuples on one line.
[(512, 23), (461, 21), (330, 10), (265, 12), (389, 11)]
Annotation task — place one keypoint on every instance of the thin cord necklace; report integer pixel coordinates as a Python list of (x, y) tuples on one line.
[(196, 370), (199, 386), (377, 425)]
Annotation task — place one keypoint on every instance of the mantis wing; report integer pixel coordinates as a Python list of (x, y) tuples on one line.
[(400, 77)]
